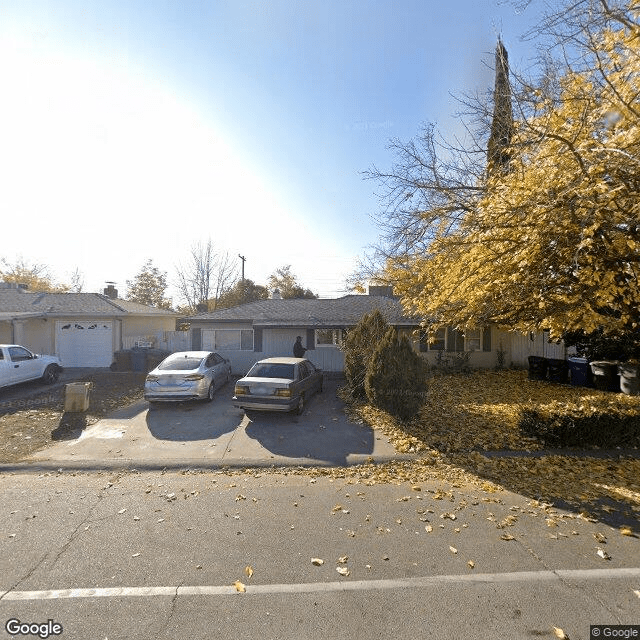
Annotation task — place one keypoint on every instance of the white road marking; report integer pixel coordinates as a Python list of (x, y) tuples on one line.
[(314, 587)]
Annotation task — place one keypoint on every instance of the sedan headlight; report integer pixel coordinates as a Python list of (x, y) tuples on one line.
[(241, 390), (283, 393)]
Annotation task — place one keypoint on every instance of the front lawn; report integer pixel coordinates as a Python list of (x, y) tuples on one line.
[(489, 410)]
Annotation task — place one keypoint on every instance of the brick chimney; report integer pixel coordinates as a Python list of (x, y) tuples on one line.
[(380, 290), (110, 291)]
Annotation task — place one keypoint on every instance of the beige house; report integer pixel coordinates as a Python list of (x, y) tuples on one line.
[(83, 329), (269, 328)]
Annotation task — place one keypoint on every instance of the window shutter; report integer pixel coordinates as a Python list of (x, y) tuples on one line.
[(486, 339), (311, 339), (257, 340)]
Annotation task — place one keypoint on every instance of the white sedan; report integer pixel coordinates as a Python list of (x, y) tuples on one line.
[(187, 375)]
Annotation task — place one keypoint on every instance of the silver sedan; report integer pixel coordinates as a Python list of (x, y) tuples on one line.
[(187, 375), (278, 384)]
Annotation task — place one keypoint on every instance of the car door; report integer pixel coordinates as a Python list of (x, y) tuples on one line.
[(24, 364), (306, 379), (6, 370), (210, 369)]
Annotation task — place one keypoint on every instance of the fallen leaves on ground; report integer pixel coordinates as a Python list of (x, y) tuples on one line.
[(468, 419), (27, 422), (482, 411)]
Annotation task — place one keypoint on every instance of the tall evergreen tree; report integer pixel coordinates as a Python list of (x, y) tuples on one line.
[(498, 148)]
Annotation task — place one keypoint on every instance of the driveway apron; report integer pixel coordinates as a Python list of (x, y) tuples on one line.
[(217, 434)]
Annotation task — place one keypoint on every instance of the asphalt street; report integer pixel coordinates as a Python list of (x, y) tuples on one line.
[(290, 555)]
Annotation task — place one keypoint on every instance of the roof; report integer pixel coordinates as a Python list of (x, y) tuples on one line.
[(303, 312), (21, 304)]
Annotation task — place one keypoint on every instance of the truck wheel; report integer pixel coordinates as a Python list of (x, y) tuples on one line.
[(51, 374)]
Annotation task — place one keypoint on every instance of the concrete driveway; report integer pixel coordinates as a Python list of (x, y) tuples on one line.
[(216, 434)]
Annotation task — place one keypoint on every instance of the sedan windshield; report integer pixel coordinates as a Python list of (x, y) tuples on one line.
[(271, 370), (180, 363)]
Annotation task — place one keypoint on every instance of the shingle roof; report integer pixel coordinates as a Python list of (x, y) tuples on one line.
[(15, 302), (336, 312)]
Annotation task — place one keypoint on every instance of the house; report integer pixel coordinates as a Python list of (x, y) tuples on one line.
[(83, 329), (269, 328)]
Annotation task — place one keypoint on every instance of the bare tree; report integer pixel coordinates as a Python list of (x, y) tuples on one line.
[(77, 281), (207, 274)]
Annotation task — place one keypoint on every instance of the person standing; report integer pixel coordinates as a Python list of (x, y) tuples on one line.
[(298, 349)]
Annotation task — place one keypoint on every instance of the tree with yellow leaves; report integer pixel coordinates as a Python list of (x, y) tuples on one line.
[(554, 241)]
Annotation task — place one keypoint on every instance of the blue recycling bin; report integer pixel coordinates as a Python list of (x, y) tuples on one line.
[(579, 372)]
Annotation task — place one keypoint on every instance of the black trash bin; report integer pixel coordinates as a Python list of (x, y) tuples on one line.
[(155, 357), (580, 372), (139, 359), (605, 375), (558, 371), (123, 360), (538, 368)]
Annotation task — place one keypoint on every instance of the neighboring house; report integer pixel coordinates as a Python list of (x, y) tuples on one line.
[(268, 328), (83, 329)]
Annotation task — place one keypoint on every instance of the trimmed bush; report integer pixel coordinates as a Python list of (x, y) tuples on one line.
[(359, 345), (604, 429), (396, 377)]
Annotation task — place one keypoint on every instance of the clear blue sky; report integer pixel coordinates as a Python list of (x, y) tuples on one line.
[(132, 129)]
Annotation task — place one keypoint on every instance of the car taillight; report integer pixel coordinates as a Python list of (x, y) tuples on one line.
[(153, 378), (283, 393), (241, 390), (194, 376)]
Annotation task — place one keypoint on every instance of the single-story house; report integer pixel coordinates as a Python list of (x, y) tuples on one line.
[(83, 329), (268, 328)]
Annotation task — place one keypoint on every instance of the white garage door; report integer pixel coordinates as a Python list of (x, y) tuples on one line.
[(85, 344)]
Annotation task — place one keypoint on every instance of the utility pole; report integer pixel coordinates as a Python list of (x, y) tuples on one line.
[(243, 261)]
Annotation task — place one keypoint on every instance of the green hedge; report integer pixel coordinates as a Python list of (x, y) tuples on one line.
[(600, 429)]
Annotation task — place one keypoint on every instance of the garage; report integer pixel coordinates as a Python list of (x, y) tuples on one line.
[(85, 343)]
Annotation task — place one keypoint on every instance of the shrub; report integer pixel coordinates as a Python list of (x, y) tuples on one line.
[(604, 429), (396, 377), (359, 346)]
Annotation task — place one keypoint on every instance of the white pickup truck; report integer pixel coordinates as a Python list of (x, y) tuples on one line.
[(18, 364)]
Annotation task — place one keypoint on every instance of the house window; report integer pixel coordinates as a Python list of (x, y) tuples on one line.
[(233, 339), (473, 340), (448, 339), (329, 337), (435, 342)]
